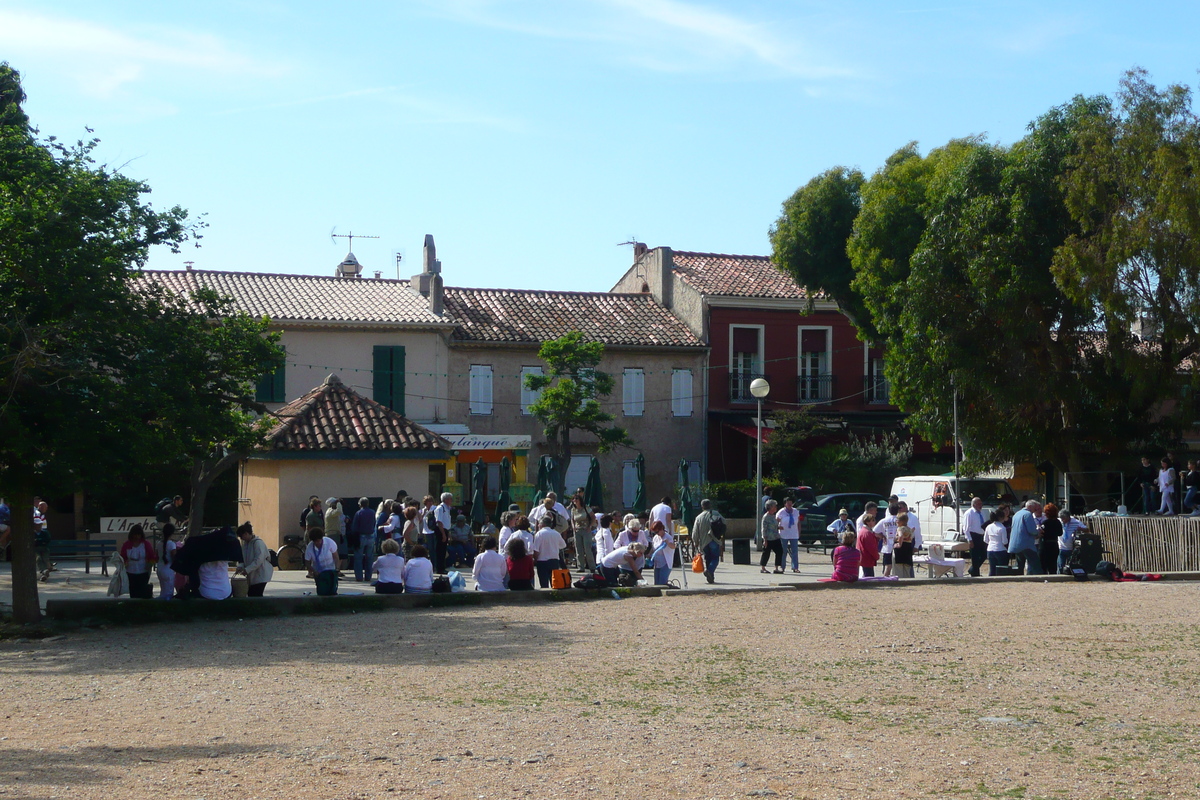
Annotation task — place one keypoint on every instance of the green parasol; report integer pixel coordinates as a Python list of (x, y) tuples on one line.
[(503, 499), (687, 504), (543, 481), (593, 490), (639, 499), (478, 512)]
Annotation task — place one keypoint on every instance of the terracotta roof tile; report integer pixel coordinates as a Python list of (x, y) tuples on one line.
[(306, 298), (736, 276), (535, 316), (335, 417)]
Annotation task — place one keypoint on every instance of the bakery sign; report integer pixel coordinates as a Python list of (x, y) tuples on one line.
[(479, 441)]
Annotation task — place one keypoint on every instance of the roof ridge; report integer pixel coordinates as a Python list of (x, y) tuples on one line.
[(398, 281), (546, 291), (718, 255)]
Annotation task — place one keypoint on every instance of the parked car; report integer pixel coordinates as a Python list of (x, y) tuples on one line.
[(816, 516)]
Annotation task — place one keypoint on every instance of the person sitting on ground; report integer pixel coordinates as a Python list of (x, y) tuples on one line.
[(390, 568), (256, 561), (663, 558), (867, 544), (520, 564), (491, 569), (623, 559), (548, 545), (138, 555), (902, 556), (604, 538), (846, 558), (461, 548), (418, 571), (321, 555)]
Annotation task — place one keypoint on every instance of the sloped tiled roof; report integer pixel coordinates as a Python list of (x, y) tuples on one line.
[(535, 316), (736, 276), (335, 417), (309, 299)]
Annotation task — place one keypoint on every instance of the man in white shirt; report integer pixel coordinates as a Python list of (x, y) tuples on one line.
[(789, 531), (973, 527), (490, 569), (662, 513), (443, 514), (548, 544), (550, 506), (885, 529)]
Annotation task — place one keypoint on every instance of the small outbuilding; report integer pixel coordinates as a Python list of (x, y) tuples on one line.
[(333, 442)]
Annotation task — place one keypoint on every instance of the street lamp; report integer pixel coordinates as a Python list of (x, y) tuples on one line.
[(760, 388)]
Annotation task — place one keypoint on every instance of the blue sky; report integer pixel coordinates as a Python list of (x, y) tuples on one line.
[(532, 137)]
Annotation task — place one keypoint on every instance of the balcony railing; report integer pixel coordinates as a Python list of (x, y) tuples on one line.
[(815, 388), (739, 386), (877, 391)]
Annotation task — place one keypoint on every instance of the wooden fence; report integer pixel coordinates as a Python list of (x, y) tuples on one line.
[(1150, 544)]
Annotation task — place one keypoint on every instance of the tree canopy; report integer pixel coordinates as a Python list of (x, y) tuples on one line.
[(1022, 276), (102, 377), (570, 395)]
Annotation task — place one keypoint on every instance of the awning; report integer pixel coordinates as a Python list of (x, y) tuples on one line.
[(751, 431)]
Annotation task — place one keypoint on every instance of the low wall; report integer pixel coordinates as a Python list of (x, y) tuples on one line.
[(1150, 544)]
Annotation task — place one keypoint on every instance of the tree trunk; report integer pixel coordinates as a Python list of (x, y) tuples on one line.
[(204, 472), (26, 607)]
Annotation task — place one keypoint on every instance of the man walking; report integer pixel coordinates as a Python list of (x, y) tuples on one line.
[(444, 518), (705, 539), (789, 531), (362, 537), (1023, 541)]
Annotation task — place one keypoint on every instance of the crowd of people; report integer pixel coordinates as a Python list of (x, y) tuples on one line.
[(1177, 490)]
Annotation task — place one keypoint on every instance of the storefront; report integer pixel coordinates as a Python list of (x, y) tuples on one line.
[(464, 474)]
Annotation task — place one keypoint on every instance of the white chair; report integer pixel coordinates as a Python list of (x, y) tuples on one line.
[(938, 565)]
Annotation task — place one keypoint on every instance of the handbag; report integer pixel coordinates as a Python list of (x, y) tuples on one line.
[(560, 579), (698, 563)]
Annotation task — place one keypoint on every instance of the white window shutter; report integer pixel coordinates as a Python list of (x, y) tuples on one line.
[(528, 397), (627, 391), (681, 392), (481, 389), (628, 484), (639, 400)]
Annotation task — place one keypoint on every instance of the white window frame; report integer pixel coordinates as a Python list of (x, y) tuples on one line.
[(822, 369), (528, 398), (756, 365), (682, 401), (633, 391), (481, 397)]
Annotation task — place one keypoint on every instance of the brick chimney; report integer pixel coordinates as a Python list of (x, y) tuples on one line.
[(429, 281)]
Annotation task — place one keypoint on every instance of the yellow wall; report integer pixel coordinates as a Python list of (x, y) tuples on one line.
[(276, 489)]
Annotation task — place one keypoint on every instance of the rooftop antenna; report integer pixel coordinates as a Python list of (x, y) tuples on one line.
[(351, 236)]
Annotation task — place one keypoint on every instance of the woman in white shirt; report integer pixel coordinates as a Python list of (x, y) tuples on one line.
[(633, 534), (789, 531), (604, 538), (664, 553), (390, 568), (996, 537), (418, 572), (322, 557), (491, 568)]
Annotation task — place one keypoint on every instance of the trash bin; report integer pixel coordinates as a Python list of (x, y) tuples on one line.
[(741, 551)]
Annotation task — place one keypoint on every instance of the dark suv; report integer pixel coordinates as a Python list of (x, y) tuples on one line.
[(816, 516)]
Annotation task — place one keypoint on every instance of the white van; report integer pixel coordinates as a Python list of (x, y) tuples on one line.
[(934, 497)]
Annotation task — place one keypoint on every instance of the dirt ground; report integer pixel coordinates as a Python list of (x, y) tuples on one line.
[(1021, 690)]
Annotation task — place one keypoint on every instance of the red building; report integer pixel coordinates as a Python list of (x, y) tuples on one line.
[(756, 322)]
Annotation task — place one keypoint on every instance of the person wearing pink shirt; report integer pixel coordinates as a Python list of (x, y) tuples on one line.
[(846, 559)]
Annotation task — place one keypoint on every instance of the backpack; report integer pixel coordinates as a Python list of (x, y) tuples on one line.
[(717, 525), (162, 511), (273, 557), (431, 520), (1107, 569)]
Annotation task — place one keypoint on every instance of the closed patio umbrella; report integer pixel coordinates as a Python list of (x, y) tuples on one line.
[(503, 498), (639, 499), (593, 490), (687, 504), (478, 511)]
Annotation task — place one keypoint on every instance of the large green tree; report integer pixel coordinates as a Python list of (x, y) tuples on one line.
[(1020, 275), (102, 378), (570, 396)]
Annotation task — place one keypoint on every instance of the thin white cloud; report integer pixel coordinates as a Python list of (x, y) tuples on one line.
[(103, 60), (663, 35)]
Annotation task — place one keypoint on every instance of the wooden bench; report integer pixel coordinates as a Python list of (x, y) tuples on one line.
[(84, 550)]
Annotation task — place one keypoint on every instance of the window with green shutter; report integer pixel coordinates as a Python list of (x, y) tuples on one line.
[(270, 388), (389, 377)]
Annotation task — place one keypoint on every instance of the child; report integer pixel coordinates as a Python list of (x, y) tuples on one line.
[(902, 556), (166, 573)]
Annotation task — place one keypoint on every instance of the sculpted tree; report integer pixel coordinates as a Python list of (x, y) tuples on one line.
[(569, 396)]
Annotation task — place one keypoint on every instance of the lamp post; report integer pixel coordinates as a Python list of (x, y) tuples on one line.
[(760, 388)]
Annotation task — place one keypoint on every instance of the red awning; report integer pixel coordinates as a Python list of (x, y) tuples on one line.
[(751, 431)]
